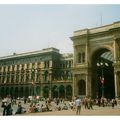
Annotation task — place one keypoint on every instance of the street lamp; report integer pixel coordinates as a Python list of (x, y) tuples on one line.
[(102, 65)]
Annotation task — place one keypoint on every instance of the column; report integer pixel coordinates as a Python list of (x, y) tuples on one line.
[(20, 73), (15, 77), (10, 73), (42, 64), (25, 67), (86, 53), (87, 85), (50, 64), (73, 85), (24, 76), (49, 84), (29, 76), (119, 83), (115, 50), (116, 85), (5, 81), (65, 91)]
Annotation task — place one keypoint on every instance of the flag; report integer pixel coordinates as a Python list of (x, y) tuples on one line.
[(102, 80)]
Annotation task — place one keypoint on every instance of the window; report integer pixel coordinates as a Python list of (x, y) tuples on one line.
[(83, 57), (79, 57)]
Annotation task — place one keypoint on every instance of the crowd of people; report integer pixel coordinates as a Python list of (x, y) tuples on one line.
[(56, 104)]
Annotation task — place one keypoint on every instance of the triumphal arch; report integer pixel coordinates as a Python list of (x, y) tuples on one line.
[(96, 69)]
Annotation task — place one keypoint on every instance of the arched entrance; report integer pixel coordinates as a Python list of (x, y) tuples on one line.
[(102, 74), (90, 47), (16, 92), (11, 91), (46, 91), (27, 92), (61, 91), (69, 91), (55, 91), (38, 90), (21, 92)]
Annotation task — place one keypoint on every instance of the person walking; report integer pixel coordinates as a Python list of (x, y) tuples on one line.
[(4, 106), (113, 103), (8, 106), (90, 104), (78, 106)]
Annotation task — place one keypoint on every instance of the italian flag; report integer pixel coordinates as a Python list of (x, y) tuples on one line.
[(102, 80)]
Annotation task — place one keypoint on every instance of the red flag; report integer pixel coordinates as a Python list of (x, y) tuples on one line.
[(102, 80)]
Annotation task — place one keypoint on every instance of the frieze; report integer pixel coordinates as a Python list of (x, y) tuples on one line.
[(24, 60), (80, 42)]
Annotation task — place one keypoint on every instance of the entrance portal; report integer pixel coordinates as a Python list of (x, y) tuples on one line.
[(103, 74), (97, 60)]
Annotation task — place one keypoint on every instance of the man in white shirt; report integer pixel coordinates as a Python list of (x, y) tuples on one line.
[(78, 105)]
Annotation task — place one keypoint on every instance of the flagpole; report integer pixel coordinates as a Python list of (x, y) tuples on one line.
[(102, 82), (101, 65), (102, 90)]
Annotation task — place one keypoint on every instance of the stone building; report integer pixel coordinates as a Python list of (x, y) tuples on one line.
[(94, 70), (44, 73), (96, 62)]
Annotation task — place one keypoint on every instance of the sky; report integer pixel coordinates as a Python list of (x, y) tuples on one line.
[(25, 28)]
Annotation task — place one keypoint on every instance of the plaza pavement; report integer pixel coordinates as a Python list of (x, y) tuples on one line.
[(97, 111)]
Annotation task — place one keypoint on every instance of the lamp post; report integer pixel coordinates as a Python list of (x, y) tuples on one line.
[(102, 65)]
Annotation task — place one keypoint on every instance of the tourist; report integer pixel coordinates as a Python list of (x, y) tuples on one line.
[(78, 105), (113, 103)]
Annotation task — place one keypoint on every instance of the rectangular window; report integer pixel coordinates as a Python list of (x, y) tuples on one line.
[(79, 58)]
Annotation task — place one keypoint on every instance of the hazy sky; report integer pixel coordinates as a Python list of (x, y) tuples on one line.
[(25, 28)]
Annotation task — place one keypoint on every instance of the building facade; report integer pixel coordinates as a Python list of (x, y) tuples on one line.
[(45, 73), (94, 70), (96, 58)]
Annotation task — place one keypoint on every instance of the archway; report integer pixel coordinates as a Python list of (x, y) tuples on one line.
[(69, 91), (38, 90), (16, 92), (11, 92), (81, 88), (97, 43), (27, 92), (102, 74), (21, 92), (46, 91), (7, 92), (62, 91), (55, 91)]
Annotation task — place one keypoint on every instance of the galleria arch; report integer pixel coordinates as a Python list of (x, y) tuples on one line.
[(102, 68), (93, 46)]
